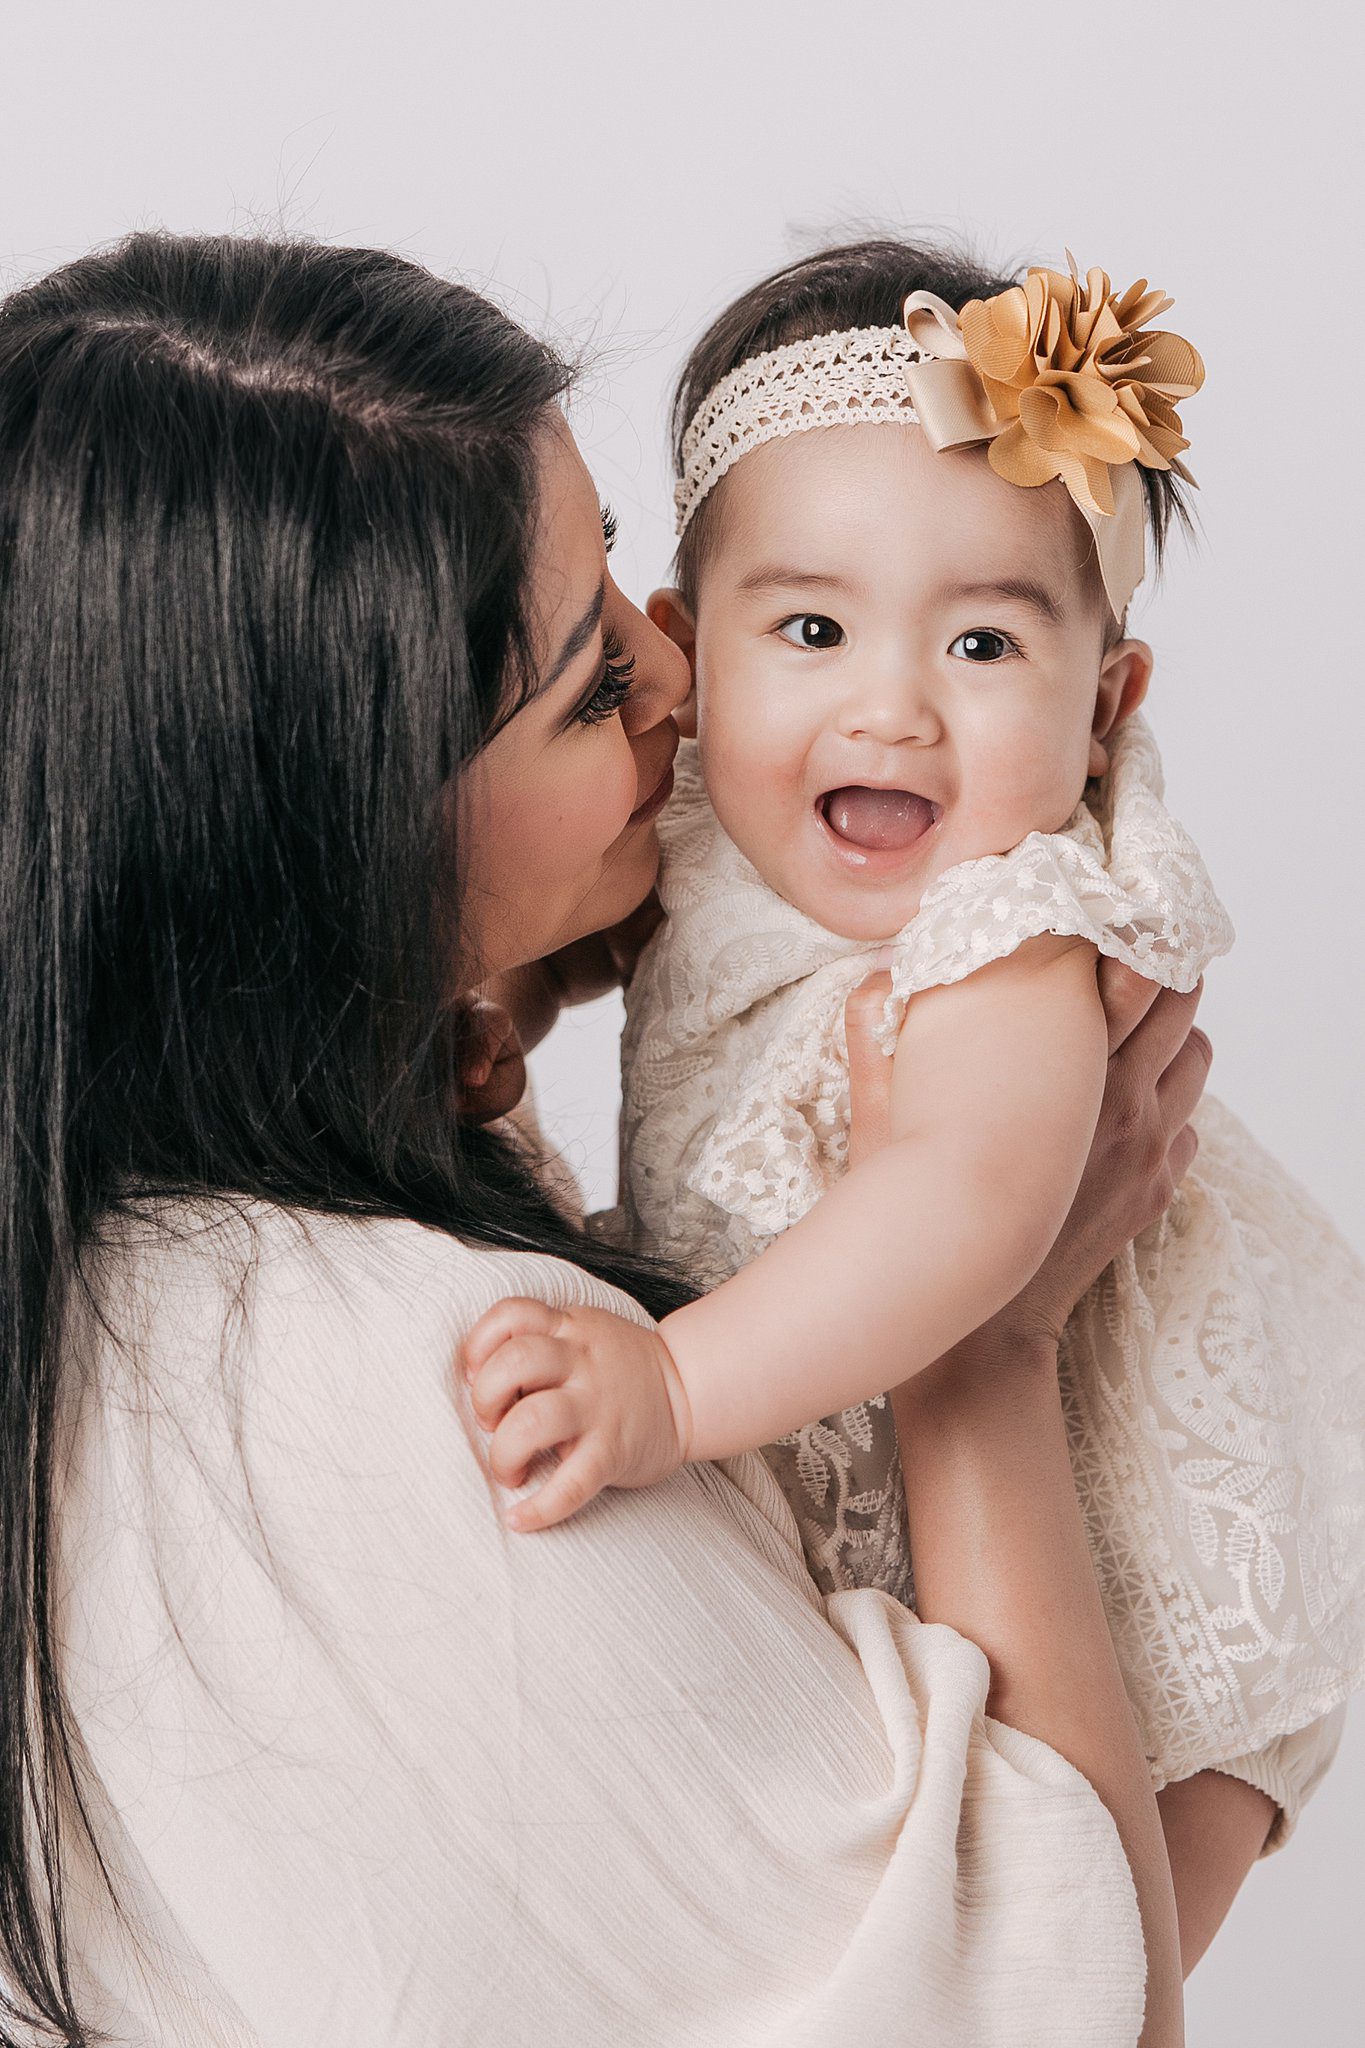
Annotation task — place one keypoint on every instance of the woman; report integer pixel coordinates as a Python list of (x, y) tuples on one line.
[(321, 713)]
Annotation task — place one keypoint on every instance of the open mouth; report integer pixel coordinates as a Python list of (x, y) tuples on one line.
[(877, 820)]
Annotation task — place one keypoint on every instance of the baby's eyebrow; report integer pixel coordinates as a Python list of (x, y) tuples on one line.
[(777, 576), (1022, 589)]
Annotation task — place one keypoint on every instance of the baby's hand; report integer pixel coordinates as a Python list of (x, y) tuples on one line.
[(602, 1391), (493, 1072)]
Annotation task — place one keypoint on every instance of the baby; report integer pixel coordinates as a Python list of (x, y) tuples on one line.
[(912, 503)]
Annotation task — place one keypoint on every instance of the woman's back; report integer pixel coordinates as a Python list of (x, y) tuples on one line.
[(384, 1773)]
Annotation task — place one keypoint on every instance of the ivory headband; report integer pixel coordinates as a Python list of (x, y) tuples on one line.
[(1057, 379)]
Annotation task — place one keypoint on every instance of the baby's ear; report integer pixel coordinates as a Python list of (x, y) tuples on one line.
[(1125, 673), (669, 611)]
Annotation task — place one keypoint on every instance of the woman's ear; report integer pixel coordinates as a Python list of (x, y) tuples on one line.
[(669, 611), (1125, 673)]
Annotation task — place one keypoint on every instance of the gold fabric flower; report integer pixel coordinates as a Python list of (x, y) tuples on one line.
[(1078, 382)]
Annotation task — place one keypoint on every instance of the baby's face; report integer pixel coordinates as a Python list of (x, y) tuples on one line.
[(899, 658)]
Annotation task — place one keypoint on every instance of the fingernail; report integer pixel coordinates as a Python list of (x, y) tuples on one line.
[(479, 1073)]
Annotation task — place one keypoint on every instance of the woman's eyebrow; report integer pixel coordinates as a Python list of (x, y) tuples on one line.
[(1022, 589), (577, 639)]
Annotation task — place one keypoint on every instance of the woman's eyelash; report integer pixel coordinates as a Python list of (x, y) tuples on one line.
[(613, 686), (609, 528)]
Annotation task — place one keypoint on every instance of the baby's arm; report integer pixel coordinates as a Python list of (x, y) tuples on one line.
[(996, 1088)]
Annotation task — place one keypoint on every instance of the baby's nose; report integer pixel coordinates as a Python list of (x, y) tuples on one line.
[(898, 710)]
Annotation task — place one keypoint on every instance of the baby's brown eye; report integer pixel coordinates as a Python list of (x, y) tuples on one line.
[(812, 629), (983, 643)]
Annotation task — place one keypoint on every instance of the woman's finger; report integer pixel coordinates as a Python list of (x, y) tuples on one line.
[(573, 1483), (1180, 1087), (1158, 1036), (1181, 1155), (532, 1427), (1126, 996), (514, 1317), (523, 1365), (869, 1070)]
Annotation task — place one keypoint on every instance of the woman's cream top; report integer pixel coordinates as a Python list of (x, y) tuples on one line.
[(367, 1769)]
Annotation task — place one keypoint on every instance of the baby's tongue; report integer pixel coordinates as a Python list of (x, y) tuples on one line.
[(878, 819)]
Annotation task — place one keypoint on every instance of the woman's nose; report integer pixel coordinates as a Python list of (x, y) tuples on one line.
[(663, 677)]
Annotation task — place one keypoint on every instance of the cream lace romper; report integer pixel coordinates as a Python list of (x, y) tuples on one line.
[(1214, 1377)]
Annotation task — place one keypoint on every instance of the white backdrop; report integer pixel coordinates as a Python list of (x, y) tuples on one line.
[(614, 172)]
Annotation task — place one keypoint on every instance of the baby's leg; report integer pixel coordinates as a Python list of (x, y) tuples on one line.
[(842, 1479), (1215, 1828)]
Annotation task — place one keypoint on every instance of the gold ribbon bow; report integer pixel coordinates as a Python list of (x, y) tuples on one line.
[(1062, 380)]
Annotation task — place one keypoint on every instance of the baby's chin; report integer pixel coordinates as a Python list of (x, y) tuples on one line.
[(858, 891), (863, 906), (855, 910)]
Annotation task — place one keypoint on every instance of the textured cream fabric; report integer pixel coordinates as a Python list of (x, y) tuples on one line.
[(856, 378), (371, 1771), (1290, 1769)]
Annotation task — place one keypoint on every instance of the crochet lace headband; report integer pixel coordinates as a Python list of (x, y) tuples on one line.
[(1059, 379)]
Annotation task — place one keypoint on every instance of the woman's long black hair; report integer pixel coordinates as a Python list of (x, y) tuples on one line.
[(265, 518)]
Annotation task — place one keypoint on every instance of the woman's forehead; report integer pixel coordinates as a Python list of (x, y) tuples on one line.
[(567, 561)]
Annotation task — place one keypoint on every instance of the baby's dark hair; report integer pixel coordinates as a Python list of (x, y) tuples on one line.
[(859, 284)]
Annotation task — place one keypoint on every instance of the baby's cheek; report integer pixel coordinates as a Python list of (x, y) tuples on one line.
[(737, 756), (1031, 785), (746, 797), (757, 804)]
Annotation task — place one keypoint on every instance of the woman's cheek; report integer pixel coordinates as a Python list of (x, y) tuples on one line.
[(604, 795)]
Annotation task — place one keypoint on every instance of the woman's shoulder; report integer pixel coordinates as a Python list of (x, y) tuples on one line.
[(233, 1337), (248, 1374), (251, 1262), (302, 1350)]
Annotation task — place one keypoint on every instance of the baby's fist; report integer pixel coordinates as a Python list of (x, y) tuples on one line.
[(492, 1066), (602, 1392)]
